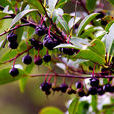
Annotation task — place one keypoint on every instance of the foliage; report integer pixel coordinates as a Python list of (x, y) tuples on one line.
[(84, 41)]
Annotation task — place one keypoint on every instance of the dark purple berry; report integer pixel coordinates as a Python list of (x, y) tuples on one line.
[(36, 44), (14, 72), (63, 87), (27, 59), (104, 71), (47, 58), (68, 51), (40, 30), (111, 90), (107, 87), (92, 90), (55, 88), (11, 37), (33, 42), (113, 59), (50, 42), (47, 92), (39, 45), (38, 60), (94, 82), (45, 86), (71, 91), (100, 90), (79, 85), (101, 14), (13, 45), (81, 93), (104, 22), (90, 68)]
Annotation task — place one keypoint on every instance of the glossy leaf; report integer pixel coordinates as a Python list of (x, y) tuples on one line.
[(51, 4), (50, 110), (36, 4), (67, 46), (73, 106), (2, 14), (90, 4), (94, 103), (86, 21), (90, 55), (5, 77), (61, 3), (22, 83), (83, 107), (109, 39), (63, 23), (20, 15), (98, 47), (73, 21), (79, 42)]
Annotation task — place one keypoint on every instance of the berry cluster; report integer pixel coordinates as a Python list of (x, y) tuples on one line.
[(49, 41), (12, 38), (95, 88)]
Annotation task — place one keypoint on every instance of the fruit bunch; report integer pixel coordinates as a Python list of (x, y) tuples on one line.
[(80, 89)]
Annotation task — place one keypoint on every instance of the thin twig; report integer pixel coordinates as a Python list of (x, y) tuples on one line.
[(68, 76), (57, 30), (18, 55), (16, 27)]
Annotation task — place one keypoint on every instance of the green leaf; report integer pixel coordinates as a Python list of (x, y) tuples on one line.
[(67, 46), (50, 110), (66, 17), (98, 47), (63, 23), (90, 55), (108, 26), (109, 39), (94, 103), (5, 3), (19, 33), (90, 4), (2, 14), (86, 21), (73, 21), (5, 77), (22, 83), (36, 4), (73, 106), (8, 55), (83, 107), (111, 1), (79, 42), (20, 15), (51, 4), (61, 3)]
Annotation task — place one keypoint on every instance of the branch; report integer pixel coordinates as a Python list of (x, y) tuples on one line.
[(16, 27), (18, 55), (52, 21), (68, 76)]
